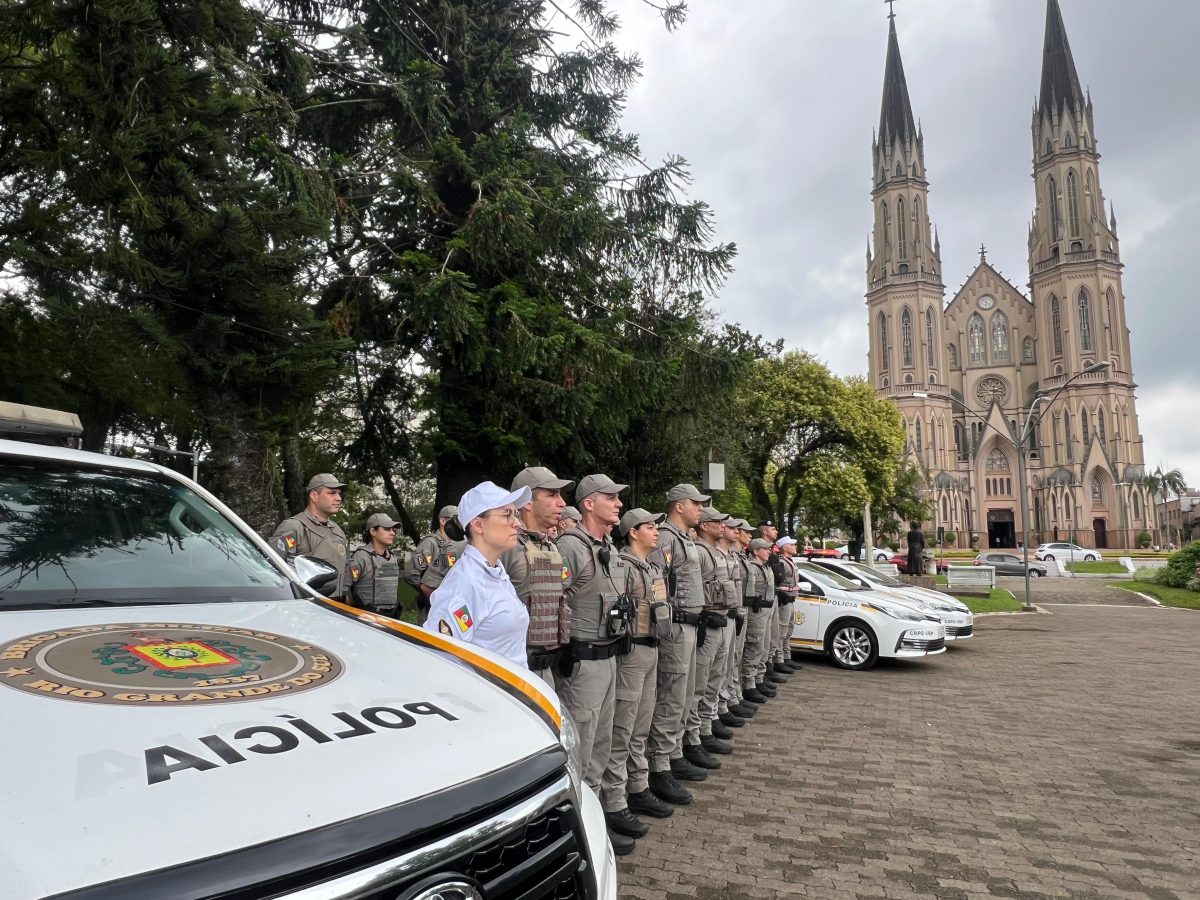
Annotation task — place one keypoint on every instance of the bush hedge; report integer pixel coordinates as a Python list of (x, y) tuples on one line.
[(1180, 570), (1144, 539)]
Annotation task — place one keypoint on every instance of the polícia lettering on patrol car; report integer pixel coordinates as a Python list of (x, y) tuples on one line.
[(163, 662), (853, 604), (292, 732)]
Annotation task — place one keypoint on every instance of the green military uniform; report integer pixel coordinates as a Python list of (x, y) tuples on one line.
[(306, 535), (375, 580)]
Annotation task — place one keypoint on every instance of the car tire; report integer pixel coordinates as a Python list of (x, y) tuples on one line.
[(1034, 573), (844, 556), (1047, 558), (1089, 557), (853, 646)]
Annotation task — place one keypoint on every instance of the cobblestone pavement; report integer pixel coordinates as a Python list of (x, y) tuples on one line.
[(1049, 756)]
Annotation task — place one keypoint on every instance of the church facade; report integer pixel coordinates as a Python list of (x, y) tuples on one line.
[(965, 374)]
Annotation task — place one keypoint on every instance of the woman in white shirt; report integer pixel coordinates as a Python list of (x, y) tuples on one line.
[(476, 602)]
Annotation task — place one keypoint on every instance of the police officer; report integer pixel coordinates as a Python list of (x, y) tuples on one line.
[(536, 569), (761, 615), (430, 548), (375, 570), (569, 519), (700, 743), (595, 582), (679, 559), (636, 680), (312, 532), (731, 691), (785, 594)]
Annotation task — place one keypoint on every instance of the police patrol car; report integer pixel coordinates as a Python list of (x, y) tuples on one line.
[(186, 718), (955, 615), (856, 626)]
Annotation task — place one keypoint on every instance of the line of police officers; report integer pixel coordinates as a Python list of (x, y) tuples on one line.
[(659, 647)]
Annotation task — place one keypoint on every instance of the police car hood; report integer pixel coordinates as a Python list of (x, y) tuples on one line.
[(934, 598), (350, 718)]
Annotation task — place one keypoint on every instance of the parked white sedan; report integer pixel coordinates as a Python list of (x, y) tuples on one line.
[(856, 626), (955, 615), (1061, 550), (879, 553)]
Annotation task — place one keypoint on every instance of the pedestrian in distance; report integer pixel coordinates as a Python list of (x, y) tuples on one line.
[(375, 570), (312, 531), (916, 549), (476, 603)]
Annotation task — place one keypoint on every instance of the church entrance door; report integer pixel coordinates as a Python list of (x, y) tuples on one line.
[(1002, 529), (1098, 525)]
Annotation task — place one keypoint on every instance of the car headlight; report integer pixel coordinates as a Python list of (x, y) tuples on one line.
[(568, 736), (900, 612)]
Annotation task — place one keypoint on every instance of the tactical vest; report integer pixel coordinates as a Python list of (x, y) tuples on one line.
[(648, 586), (736, 574), (375, 580), (542, 591), (421, 556), (717, 583), (594, 594), (754, 582), (325, 542), (682, 558), (788, 580)]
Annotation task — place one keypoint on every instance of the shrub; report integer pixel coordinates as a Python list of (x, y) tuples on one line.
[(1144, 540), (951, 537), (1180, 571)]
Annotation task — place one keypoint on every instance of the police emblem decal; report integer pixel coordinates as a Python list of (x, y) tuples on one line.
[(129, 664), (444, 626)]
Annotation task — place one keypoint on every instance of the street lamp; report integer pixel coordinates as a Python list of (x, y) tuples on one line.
[(1020, 446)]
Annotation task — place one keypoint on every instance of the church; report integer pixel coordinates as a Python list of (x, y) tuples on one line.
[(966, 374)]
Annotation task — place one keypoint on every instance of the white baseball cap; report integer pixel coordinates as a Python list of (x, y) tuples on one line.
[(785, 542), (489, 495)]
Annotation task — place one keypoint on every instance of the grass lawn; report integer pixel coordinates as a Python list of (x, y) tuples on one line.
[(1168, 596), (1103, 567), (999, 601)]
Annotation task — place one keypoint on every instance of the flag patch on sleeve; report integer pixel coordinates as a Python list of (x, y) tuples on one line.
[(462, 616)]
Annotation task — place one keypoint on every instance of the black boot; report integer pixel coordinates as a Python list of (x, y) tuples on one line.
[(745, 709), (622, 845), (754, 695), (715, 745), (731, 719), (767, 689), (624, 822), (685, 770), (784, 668), (645, 803), (665, 787), (776, 678), (698, 756), (722, 731)]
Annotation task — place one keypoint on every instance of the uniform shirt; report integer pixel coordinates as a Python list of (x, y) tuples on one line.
[(427, 550), (476, 603), (305, 534), (437, 570), (374, 579)]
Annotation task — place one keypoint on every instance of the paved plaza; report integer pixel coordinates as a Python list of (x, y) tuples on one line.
[(1051, 756)]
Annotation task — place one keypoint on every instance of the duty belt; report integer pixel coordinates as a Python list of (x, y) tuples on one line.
[(544, 659), (680, 617), (758, 604), (582, 650), (646, 641), (715, 618)]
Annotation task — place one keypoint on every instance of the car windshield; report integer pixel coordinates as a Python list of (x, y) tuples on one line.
[(873, 576), (73, 535), (828, 579)]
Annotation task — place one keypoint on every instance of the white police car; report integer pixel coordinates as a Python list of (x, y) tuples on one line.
[(856, 626), (184, 718), (955, 615)]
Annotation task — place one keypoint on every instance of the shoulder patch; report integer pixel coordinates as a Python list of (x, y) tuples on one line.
[(444, 626), (428, 558), (462, 616), (355, 573), (451, 559), (566, 573)]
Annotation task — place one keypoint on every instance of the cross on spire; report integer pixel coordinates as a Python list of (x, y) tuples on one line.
[(982, 253), (891, 10)]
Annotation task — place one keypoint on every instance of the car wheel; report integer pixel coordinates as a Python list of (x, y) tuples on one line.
[(845, 556), (1034, 573), (1048, 558), (1089, 558), (853, 646)]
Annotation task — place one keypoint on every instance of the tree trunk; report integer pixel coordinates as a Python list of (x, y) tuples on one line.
[(241, 464), (293, 471)]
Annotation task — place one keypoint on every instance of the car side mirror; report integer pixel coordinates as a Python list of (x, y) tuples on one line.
[(807, 587), (316, 573)]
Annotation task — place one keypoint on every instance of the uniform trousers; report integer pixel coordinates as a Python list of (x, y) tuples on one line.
[(710, 673), (637, 673), (676, 684), (589, 695), (783, 635), (731, 690), (760, 641)]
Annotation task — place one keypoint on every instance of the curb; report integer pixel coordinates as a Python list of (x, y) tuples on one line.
[(1037, 610)]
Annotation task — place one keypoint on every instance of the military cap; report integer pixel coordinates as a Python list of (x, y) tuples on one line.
[(570, 512), (760, 544), (687, 492), (539, 477), (636, 517), (381, 520), (448, 512), (712, 514), (597, 484), (742, 525), (324, 480)]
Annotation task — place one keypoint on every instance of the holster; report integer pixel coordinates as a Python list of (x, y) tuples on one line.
[(739, 620)]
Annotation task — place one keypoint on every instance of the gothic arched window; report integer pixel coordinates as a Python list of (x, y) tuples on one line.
[(883, 343), (1097, 490), (953, 355), (1068, 141), (1085, 425), (906, 336), (945, 508), (1085, 320), (930, 346), (999, 337), (901, 234), (1137, 507), (919, 442), (1027, 350), (1073, 203), (1069, 437), (932, 442), (975, 344), (899, 169), (1100, 424), (1055, 212), (886, 217), (1112, 326), (1090, 193), (1056, 325)]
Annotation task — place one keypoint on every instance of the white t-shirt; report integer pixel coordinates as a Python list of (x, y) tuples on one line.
[(476, 603)]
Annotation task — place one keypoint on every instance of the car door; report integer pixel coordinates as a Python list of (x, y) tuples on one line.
[(1010, 565), (806, 612)]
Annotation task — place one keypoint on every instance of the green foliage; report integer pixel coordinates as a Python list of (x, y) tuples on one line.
[(1180, 570), (951, 537), (1144, 539)]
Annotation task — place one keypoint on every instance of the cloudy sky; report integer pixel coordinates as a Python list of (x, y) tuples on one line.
[(773, 103)]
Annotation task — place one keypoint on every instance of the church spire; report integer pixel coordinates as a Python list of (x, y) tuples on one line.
[(1060, 83), (895, 115)]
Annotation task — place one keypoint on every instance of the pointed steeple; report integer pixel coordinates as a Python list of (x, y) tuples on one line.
[(1060, 83), (895, 115)]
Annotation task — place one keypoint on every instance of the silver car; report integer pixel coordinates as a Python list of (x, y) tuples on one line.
[(1061, 550)]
